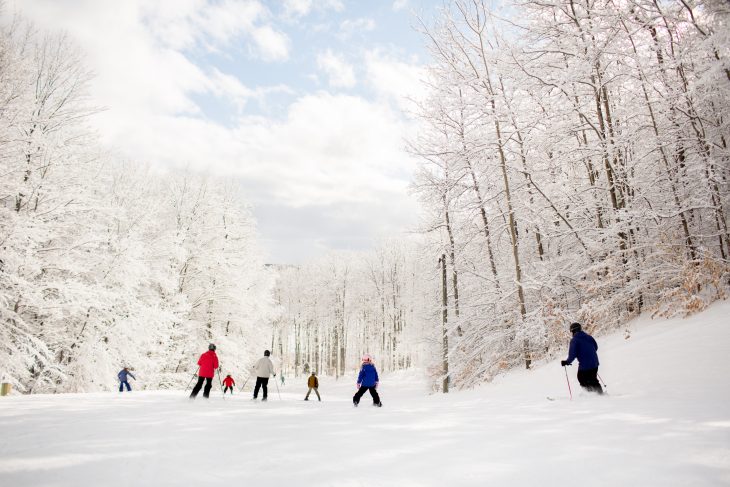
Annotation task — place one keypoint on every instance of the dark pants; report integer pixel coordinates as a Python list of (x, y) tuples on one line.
[(226, 389), (361, 391), (199, 384), (588, 379), (306, 398), (124, 383), (261, 382)]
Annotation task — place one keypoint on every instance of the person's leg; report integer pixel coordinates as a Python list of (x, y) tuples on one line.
[(126, 383), (121, 386), (358, 395), (593, 382), (588, 380), (317, 392), (306, 398), (197, 387), (256, 389), (374, 393), (265, 387), (208, 387)]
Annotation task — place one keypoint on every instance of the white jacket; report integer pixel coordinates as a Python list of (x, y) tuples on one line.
[(264, 368)]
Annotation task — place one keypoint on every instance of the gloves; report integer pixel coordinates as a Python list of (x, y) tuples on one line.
[(274, 375), (564, 363), (376, 384)]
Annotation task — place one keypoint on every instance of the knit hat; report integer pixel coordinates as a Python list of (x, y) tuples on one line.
[(575, 327)]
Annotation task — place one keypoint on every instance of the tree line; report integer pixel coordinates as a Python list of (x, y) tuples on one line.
[(104, 262)]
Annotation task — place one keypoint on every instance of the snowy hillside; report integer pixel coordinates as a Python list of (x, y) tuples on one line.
[(665, 423)]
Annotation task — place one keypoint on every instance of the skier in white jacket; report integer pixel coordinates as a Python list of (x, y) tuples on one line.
[(263, 368)]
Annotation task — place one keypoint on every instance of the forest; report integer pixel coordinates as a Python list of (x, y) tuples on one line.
[(573, 166)]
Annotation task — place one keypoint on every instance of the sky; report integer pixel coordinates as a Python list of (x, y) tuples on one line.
[(305, 103)]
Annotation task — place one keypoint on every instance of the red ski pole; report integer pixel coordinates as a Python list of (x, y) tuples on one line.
[(568, 381)]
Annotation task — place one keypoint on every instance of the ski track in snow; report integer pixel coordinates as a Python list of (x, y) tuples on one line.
[(666, 422)]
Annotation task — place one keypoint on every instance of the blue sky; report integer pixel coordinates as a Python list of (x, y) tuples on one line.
[(300, 101)]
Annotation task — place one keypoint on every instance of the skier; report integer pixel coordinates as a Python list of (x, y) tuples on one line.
[(584, 347), (263, 368), (312, 383), (229, 383), (282, 379), (367, 380), (208, 363), (123, 381)]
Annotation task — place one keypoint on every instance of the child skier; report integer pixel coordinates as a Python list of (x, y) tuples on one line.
[(123, 381), (367, 380), (229, 383), (208, 363), (312, 383)]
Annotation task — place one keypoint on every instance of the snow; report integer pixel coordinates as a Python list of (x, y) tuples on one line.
[(666, 422)]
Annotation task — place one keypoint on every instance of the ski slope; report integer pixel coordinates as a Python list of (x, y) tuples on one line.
[(665, 423)]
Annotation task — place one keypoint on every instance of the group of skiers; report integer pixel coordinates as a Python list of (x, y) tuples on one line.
[(582, 348)]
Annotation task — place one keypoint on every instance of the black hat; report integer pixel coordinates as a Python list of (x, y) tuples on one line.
[(211, 346), (266, 353), (575, 327)]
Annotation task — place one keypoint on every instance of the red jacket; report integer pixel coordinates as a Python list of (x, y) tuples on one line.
[(208, 364), (229, 382)]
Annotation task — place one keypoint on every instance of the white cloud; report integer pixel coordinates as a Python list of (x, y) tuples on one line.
[(400, 5), (294, 9), (272, 45), (395, 79), (348, 27), (341, 74)]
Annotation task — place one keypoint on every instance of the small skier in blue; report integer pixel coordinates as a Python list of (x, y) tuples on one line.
[(367, 380), (123, 381)]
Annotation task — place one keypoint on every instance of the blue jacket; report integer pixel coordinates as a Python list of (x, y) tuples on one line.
[(583, 347), (368, 376), (123, 375)]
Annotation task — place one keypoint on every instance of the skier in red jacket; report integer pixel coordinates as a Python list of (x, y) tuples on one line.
[(208, 363), (228, 382)]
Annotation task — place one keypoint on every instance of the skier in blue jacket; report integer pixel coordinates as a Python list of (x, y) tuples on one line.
[(367, 380), (583, 347), (123, 381)]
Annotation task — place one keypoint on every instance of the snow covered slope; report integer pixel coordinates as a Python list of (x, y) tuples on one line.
[(665, 423)]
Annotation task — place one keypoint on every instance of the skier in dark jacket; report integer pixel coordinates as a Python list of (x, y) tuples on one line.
[(208, 363), (123, 380), (367, 380), (583, 347)]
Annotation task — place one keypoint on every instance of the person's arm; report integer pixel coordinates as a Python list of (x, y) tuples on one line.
[(360, 376), (595, 344), (571, 351), (377, 379), (133, 377), (215, 362)]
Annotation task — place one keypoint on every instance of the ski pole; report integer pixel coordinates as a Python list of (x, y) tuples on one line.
[(244, 383), (568, 380), (277, 388), (191, 379), (221, 383), (599, 378)]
